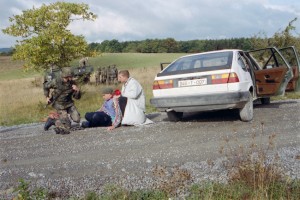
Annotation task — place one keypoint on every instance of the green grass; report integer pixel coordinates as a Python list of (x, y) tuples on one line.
[(13, 69), (131, 60), (209, 190), (17, 74), (288, 95)]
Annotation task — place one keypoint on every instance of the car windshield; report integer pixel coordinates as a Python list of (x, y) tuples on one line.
[(200, 62)]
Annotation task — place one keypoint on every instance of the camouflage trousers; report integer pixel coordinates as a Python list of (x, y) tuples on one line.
[(64, 120)]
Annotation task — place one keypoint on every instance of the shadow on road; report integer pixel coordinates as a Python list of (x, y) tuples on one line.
[(221, 115)]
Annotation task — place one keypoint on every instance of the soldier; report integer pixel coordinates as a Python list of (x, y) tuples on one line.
[(64, 88), (97, 75), (83, 62), (115, 74), (103, 75)]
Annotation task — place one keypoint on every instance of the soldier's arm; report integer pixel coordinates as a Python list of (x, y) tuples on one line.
[(47, 85), (77, 93)]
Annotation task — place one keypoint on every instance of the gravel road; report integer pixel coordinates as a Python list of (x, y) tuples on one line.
[(88, 159)]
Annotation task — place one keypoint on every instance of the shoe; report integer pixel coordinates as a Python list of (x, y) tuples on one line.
[(85, 124), (50, 122), (57, 130), (64, 131), (61, 130)]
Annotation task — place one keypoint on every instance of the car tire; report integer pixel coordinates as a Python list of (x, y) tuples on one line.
[(246, 113), (265, 101), (174, 116)]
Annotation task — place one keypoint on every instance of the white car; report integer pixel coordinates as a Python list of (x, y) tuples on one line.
[(224, 79)]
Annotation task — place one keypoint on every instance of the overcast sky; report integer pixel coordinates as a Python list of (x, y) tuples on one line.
[(127, 20)]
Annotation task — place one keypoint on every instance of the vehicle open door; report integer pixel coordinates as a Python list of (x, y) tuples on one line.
[(272, 72), (291, 56)]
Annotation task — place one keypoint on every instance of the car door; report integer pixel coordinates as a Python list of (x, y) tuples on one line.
[(271, 71), (292, 57)]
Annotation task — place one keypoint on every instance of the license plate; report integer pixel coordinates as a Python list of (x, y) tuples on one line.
[(194, 82)]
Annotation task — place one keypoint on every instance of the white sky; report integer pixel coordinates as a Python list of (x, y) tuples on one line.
[(127, 20)]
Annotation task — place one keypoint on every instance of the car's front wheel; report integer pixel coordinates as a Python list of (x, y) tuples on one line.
[(246, 113), (174, 116)]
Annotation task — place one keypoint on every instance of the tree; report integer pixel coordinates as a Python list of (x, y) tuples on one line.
[(279, 39), (46, 41), (285, 37)]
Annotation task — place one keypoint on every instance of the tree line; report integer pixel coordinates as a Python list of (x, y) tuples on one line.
[(282, 38), (170, 45)]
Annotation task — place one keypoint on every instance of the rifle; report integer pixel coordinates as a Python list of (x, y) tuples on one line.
[(54, 98)]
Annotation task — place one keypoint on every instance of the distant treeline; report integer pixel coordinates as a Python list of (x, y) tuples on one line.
[(170, 45), (6, 51)]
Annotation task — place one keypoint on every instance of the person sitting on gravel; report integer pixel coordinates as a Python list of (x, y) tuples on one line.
[(132, 91), (109, 115)]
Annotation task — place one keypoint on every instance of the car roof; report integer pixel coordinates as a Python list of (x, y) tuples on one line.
[(216, 51)]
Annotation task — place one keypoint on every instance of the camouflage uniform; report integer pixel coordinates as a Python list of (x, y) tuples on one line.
[(103, 75), (97, 75), (83, 62), (62, 100), (112, 74)]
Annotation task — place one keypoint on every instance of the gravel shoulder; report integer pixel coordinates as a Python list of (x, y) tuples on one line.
[(88, 159)]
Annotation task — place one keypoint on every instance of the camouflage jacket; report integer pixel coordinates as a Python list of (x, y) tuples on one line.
[(61, 94)]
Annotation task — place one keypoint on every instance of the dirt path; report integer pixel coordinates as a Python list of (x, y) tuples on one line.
[(88, 159)]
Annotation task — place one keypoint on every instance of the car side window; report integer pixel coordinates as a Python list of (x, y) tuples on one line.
[(242, 62)]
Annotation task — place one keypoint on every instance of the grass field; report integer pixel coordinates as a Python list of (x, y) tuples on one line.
[(22, 99)]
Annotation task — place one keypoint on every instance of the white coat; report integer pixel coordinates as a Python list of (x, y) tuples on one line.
[(135, 108)]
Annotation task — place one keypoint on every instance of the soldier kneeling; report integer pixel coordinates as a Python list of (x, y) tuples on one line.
[(64, 88)]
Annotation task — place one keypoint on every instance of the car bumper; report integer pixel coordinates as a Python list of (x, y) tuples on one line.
[(205, 102)]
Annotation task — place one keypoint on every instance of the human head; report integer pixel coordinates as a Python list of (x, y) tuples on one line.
[(67, 73), (123, 76), (107, 93)]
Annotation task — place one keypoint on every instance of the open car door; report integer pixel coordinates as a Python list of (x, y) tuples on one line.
[(291, 56), (271, 71)]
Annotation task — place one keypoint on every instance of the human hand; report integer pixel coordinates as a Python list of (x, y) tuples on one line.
[(75, 88), (110, 128), (48, 100)]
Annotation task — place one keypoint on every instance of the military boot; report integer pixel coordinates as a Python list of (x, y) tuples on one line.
[(50, 122), (61, 130)]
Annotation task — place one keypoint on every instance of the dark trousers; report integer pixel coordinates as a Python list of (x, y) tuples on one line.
[(122, 103), (97, 119)]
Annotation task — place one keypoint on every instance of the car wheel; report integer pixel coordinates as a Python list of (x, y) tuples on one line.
[(265, 101), (246, 113), (174, 116)]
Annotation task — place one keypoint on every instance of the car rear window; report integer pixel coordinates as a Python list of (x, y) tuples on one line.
[(199, 62)]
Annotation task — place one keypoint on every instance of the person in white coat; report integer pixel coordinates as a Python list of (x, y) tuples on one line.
[(134, 113)]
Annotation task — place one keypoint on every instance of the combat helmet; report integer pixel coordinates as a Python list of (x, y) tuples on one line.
[(67, 72)]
